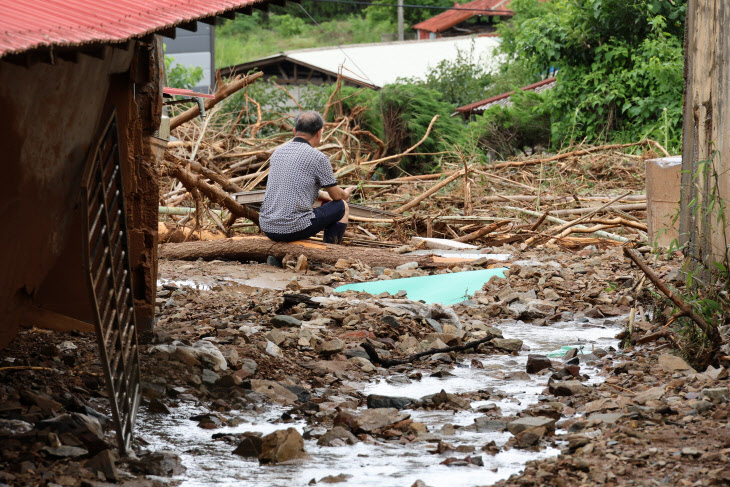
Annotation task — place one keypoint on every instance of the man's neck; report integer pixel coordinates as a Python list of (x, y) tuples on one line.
[(301, 139)]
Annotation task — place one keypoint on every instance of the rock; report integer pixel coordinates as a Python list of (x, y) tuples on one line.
[(250, 446), (281, 446), (303, 395), (577, 441), (407, 266), (570, 354), (672, 363), (332, 347), (13, 427), (185, 355), (274, 391), (337, 436), (363, 364), (519, 425), (276, 336), (538, 309), (649, 395), (272, 349), (536, 363), (285, 321), (376, 401), (509, 344), (85, 428), (334, 479), (157, 407), (716, 395), (232, 357), (391, 321), (207, 352), (567, 388), (373, 419), (249, 365), (357, 352), (530, 437), (486, 424), (65, 451), (162, 464), (435, 325), (273, 261), (209, 377), (103, 462), (607, 418), (232, 380)]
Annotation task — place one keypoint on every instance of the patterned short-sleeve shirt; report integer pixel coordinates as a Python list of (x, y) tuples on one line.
[(297, 171)]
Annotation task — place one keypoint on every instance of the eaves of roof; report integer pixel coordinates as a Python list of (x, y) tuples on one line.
[(30, 24), (461, 13)]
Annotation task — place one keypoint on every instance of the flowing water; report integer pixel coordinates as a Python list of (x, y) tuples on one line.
[(210, 463)]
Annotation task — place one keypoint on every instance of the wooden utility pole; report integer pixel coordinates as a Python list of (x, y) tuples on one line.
[(706, 134)]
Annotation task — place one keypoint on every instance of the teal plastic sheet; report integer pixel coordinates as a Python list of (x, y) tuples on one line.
[(440, 288)]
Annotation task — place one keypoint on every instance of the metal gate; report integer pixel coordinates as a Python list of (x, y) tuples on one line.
[(106, 259)]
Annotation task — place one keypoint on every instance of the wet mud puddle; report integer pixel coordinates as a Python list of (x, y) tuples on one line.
[(212, 463)]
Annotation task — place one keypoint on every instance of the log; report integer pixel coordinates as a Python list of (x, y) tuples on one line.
[(225, 90), (259, 248), (215, 194), (428, 193), (581, 211), (384, 362), (482, 232), (709, 330), (50, 320)]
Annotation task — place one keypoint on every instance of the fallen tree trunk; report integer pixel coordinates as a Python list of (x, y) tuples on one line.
[(482, 232), (259, 248)]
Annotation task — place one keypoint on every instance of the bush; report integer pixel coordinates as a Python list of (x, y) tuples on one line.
[(506, 130), (179, 76)]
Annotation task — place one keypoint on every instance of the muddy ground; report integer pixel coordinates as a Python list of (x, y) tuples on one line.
[(235, 337)]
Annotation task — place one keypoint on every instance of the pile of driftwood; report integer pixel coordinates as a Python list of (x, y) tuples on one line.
[(587, 195)]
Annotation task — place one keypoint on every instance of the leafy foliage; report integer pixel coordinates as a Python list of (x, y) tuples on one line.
[(504, 130), (460, 80), (179, 76), (620, 65)]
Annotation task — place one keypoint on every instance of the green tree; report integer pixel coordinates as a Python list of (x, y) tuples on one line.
[(620, 65), (179, 76)]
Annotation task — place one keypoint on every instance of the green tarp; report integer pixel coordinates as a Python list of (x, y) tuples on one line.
[(440, 288)]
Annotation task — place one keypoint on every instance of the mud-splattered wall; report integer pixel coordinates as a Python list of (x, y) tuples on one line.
[(706, 135), (49, 115)]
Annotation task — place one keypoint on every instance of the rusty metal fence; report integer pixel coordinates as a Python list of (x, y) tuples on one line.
[(106, 258)]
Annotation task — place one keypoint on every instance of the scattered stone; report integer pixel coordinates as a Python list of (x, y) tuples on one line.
[(272, 349), (536, 363), (717, 395), (332, 347), (65, 451), (519, 425), (274, 391), (373, 419), (530, 437), (567, 388), (104, 462), (335, 479), (285, 321), (157, 407), (13, 427), (375, 401), (337, 436), (209, 377), (672, 363), (250, 446), (486, 424), (162, 464), (648, 395), (281, 446), (509, 344)]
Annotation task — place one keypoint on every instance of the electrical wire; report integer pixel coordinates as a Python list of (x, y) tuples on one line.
[(338, 46), (432, 7)]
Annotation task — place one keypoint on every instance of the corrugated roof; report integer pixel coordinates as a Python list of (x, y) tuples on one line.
[(382, 63), (29, 24), (504, 98), (459, 14)]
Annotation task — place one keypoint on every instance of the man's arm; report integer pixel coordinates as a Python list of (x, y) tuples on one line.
[(337, 193)]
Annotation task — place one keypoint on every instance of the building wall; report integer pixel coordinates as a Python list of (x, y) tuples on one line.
[(51, 113), (706, 134)]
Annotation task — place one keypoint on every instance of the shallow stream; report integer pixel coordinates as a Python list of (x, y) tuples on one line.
[(210, 463)]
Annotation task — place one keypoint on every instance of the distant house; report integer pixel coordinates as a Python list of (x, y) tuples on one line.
[(478, 107), (368, 65), (195, 48), (477, 17)]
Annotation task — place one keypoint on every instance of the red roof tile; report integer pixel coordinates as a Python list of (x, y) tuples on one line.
[(459, 14), (28, 24)]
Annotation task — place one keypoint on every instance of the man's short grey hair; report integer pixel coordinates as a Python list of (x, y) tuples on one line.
[(309, 122)]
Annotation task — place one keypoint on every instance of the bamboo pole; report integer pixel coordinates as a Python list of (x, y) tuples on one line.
[(428, 193)]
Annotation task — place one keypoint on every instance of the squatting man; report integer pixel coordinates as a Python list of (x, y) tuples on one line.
[(298, 173)]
